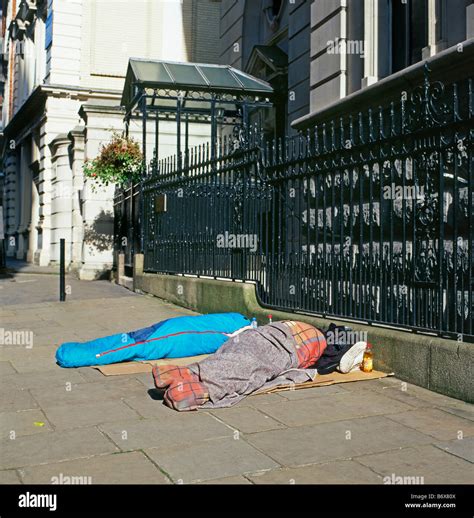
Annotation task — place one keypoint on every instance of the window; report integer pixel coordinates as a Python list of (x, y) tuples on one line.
[(49, 26), (273, 11), (276, 7), (409, 29)]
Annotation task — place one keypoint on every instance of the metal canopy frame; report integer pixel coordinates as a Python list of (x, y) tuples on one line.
[(189, 93), (192, 77)]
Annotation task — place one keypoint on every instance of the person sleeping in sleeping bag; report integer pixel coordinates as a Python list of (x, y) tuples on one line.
[(244, 364), (280, 353), (172, 338)]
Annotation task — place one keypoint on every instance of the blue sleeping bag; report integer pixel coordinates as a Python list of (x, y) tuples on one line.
[(172, 338)]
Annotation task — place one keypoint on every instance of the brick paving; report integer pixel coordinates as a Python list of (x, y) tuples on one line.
[(78, 423)]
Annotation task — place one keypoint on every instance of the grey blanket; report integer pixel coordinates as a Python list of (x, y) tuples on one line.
[(254, 360)]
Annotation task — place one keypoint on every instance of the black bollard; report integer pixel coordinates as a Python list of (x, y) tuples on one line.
[(62, 270)]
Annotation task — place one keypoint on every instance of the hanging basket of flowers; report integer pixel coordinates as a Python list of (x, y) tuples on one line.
[(119, 162)]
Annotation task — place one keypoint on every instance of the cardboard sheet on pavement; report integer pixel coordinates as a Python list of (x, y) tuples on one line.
[(323, 380)]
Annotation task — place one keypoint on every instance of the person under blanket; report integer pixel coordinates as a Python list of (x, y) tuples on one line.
[(244, 364)]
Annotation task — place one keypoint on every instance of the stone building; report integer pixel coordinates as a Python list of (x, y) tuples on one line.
[(65, 63), (316, 52), (346, 71)]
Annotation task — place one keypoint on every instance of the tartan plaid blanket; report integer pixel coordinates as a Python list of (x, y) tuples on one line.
[(270, 355)]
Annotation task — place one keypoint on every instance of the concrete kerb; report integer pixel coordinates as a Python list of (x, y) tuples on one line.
[(428, 361)]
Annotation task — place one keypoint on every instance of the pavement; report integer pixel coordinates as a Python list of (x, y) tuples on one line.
[(19, 266), (78, 426)]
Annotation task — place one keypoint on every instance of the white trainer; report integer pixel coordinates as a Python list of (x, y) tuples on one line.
[(353, 358)]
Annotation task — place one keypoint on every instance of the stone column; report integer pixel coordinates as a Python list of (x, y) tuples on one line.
[(470, 21), (437, 37), (10, 210), (61, 197), (43, 254), (376, 41), (33, 230), (76, 137), (55, 179), (24, 193)]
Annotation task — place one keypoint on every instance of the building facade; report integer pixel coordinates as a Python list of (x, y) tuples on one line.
[(374, 216), (65, 62), (317, 52)]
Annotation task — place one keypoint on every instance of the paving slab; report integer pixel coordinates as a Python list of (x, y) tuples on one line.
[(437, 423), (120, 468), (27, 312), (23, 422), (91, 374), (42, 379), (56, 337), (262, 400), (65, 417), (340, 472), (332, 408), (87, 392), (22, 306), (87, 333), (237, 480), (375, 385), (9, 477), (34, 324), (12, 399), (29, 365), (392, 388), (293, 395), (35, 288), (219, 458), (26, 361), (466, 411), (6, 314), (53, 447), (146, 378), (247, 419), (153, 408), (404, 395), (463, 448), (434, 398), (429, 462), (179, 430), (6, 368), (337, 440), (18, 353), (404, 391)]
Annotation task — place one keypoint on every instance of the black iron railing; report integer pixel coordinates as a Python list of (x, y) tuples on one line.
[(127, 224), (367, 216)]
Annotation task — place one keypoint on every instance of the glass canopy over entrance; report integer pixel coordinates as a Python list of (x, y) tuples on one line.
[(218, 95)]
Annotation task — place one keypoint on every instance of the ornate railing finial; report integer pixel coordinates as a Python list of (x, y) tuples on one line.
[(428, 105)]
